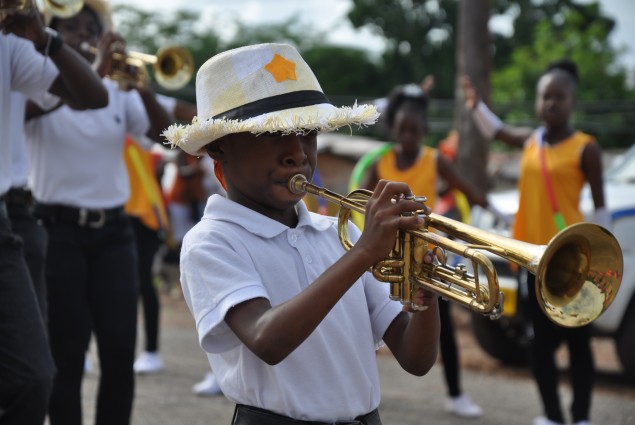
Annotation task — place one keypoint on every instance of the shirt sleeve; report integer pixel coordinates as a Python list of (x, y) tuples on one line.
[(32, 74), (381, 308), (168, 103), (215, 277)]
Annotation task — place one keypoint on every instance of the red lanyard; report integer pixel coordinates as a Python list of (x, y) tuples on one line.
[(551, 196)]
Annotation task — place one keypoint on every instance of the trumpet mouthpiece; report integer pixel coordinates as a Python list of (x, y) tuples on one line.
[(297, 184)]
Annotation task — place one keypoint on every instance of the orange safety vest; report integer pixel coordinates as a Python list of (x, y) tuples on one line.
[(421, 177), (534, 221)]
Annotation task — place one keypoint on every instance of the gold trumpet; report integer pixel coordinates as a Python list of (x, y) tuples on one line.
[(173, 66), (578, 273), (57, 8)]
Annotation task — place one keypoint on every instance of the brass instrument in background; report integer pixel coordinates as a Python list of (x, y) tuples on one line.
[(57, 8), (173, 67), (578, 273)]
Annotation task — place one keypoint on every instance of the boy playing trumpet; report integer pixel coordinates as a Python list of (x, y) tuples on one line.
[(290, 321)]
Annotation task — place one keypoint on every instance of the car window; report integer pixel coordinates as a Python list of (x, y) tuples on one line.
[(623, 169)]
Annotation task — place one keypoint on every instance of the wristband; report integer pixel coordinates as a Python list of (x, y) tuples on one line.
[(602, 217), (53, 44), (487, 123)]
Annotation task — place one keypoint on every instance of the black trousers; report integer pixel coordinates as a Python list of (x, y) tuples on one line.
[(449, 350), (34, 236), (547, 338), (248, 415), (148, 242), (91, 276), (26, 365)]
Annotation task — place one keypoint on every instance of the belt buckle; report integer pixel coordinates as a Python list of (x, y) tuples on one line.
[(95, 224)]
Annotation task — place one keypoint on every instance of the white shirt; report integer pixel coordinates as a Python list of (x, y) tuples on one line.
[(235, 254), (24, 70), (20, 160), (168, 103), (77, 156)]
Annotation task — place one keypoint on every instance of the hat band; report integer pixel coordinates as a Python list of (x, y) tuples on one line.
[(276, 103)]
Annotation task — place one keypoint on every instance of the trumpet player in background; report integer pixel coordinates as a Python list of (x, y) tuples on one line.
[(33, 61), (80, 185), (291, 321)]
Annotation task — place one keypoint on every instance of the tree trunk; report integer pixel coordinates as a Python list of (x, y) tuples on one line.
[(473, 60)]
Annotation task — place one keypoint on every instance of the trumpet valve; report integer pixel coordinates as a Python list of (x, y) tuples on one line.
[(461, 271)]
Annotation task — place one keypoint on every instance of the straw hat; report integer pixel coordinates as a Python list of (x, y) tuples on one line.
[(257, 89), (103, 11)]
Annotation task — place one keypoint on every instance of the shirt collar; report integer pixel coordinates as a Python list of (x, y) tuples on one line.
[(220, 208)]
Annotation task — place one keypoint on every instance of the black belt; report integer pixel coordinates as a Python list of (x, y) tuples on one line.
[(248, 415), (83, 217), (19, 196)]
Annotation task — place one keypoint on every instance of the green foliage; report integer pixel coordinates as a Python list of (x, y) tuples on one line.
[(351, 72), (578, 33), (146, 32), (420, 38)]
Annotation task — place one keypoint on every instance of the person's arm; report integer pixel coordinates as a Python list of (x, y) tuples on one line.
[(413, 337), (77, 84), (592, 168), (272, 333), (370, 180), (488, 123), (447, 170), (35, 111), (184, 111), (159, 117), (106, 63), (427, 84)]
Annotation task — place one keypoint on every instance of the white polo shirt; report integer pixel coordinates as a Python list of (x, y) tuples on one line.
[(235, 254), (20, 160), (24, 70), (77, 156)]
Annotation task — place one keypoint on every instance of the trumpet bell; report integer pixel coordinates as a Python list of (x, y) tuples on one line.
[(579, 274), (62, 8), (56, 8), (174, 67)]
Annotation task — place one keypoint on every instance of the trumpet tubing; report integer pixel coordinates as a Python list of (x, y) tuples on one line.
[(578, 273)]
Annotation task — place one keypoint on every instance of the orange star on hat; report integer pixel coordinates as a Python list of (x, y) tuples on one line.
[(281, 68)]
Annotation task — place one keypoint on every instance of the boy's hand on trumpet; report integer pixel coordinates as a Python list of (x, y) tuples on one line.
[(423, 299), (391, 207)]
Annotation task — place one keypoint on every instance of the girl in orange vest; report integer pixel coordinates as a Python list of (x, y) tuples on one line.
[(420, 167), (557, 161)]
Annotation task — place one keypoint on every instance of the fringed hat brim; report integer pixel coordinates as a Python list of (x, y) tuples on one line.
[(324, 117)]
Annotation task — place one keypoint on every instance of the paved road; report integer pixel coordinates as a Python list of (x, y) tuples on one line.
[(508, 397)]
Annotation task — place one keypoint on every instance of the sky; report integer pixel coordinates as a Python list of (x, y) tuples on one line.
[(330, 16)]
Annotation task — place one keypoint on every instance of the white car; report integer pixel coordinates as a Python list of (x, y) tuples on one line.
[(505, 338)]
